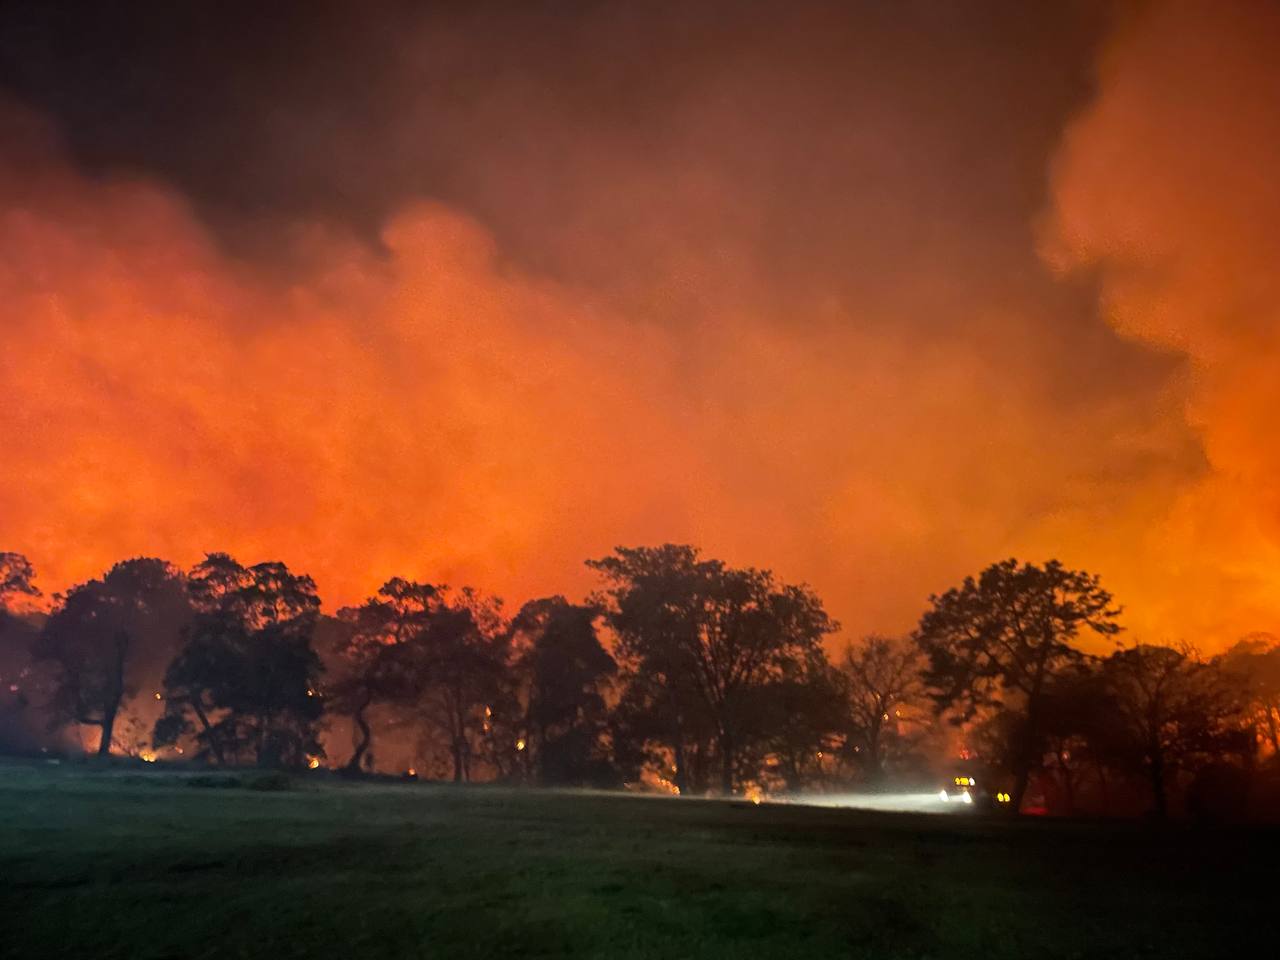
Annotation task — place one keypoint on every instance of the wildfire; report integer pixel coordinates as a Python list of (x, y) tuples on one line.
[(668, 786)]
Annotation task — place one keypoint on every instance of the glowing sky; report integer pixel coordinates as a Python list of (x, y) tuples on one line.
[(872, 298)]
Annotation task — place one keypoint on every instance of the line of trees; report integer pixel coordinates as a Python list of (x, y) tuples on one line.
[(680, 672)]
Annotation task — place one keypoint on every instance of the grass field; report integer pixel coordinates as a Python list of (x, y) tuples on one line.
[(109, 864)]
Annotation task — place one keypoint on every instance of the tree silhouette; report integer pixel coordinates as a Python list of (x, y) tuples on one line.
[(17, 632), (564, 672), (247, 673), (879, 677), (105, 634), (660, 722), (459, 665), (1175, 711), (794, 720), (1077, 741), (1080, 738), (1253, 667), (377, 667), (1000, 640), (711, 634), (17, 579)]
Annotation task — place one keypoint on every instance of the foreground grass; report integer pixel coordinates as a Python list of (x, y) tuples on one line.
[(108, 865)]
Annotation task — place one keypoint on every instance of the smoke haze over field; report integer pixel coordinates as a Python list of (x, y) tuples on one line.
[(872, 297)]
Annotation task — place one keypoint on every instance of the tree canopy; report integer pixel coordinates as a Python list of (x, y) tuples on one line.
[(110, 634), (681, 673), (713, 634), (245, 682), (17, 578), (1000, 638)]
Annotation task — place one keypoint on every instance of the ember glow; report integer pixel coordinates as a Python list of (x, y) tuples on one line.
[(768, 294)]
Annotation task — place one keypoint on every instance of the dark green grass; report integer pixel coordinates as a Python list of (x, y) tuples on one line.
[(100, 864)]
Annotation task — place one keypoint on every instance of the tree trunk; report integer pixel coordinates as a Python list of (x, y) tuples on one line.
[(1161, 800), (210, 733), (726, 765), (1020, 786), (114, 695), (1026, 760), (366, 736), (682, 765), (1067, 785), (261, 748), (458, 749), (537, 765), (108, 729), (700, 782), (456, 758), (875, 766), (1106, 788)]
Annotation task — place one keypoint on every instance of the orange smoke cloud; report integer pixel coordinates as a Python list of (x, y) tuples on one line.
[(1166, 187), (424, 412), (431, 409)]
